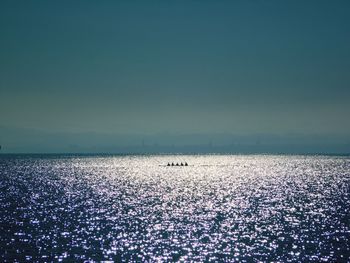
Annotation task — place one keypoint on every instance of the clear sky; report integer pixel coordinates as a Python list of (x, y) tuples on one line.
[(147, 67)]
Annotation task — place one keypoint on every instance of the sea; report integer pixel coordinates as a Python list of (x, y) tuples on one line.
[(135, 208)]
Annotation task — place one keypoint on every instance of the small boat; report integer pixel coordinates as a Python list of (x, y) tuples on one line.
[(177, 164)]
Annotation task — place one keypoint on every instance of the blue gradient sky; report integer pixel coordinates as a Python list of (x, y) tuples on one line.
[(146, 67)]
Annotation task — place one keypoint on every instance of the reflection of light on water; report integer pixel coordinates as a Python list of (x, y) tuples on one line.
[(136, 208)]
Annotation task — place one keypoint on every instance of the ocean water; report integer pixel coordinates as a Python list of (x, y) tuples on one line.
[(226, 208)]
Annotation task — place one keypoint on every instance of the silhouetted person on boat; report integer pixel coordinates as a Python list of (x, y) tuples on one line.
[(168, 164), (182, 164), (186, 164), (172, 164), (177, 164)]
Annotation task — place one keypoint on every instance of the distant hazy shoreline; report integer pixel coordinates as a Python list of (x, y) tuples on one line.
[(170, 154)]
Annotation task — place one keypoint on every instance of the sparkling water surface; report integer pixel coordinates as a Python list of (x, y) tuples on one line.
[(244, 208)]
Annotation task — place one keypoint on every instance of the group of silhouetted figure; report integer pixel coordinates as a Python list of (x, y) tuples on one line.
[(177, 164)]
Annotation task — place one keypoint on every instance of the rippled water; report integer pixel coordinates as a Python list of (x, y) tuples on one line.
[(134, 208)]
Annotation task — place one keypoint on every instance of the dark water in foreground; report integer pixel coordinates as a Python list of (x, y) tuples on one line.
[(133, 208)]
